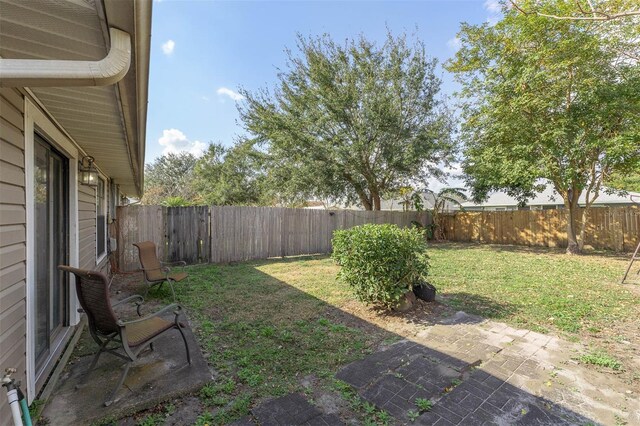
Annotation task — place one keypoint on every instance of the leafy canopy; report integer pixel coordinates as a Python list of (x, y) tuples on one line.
[(351, 121), (626, 181), (170, 177), (580, 10), (231, 176), (544, 98)]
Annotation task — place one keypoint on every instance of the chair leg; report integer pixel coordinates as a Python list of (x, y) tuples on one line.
[(150, 286), (83, 381), (123, 376), (186, 345), (172, 291)]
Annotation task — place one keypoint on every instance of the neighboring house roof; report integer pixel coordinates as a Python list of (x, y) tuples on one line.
[(107, 122), (393, 204), (549, 197), (314, 205), (428, 201)]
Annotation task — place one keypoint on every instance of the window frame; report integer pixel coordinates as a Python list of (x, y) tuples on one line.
[(38, 120), (101, 255)]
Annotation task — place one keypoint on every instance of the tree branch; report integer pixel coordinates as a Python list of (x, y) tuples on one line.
[(596, 14), (603, 17)]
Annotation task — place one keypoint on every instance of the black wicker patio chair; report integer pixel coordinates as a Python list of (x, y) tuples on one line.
[(124, 339)]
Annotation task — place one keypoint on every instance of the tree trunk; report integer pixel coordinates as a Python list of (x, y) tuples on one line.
[(572, 242), (583, 227), (366, 201), (376, 200)]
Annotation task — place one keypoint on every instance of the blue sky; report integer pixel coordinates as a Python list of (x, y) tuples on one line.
[(203, 51)]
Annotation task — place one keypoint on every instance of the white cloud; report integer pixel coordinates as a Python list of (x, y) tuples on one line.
[(495, 11), (224, 91), (492, 20), (168, 46), (205, 98), (454, 44), (493, 6), (175, 142)]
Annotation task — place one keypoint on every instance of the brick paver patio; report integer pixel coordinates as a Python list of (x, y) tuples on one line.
[(476, 372)]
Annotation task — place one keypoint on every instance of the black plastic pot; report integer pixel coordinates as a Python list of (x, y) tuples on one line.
[(425, 291)]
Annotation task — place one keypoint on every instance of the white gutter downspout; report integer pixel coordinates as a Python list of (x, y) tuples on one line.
[(58, 73)]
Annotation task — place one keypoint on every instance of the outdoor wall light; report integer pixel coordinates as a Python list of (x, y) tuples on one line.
[(87, 171)]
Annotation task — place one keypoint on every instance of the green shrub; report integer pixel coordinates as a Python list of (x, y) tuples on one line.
[(380, 262)]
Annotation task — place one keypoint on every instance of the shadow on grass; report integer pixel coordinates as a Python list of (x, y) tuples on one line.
[(267, 329), (479, 305)]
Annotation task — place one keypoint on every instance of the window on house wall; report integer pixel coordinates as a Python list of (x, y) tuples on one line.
[(101, 222)]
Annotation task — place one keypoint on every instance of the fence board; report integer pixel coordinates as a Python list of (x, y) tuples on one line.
[(187, 234), (135, 224), (244, 233), (611, 228), (232, 233)]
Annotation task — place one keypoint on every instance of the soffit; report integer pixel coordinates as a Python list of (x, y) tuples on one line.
[(93, 116)]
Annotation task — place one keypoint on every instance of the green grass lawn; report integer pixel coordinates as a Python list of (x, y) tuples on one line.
[(538, 289), (267, 326)]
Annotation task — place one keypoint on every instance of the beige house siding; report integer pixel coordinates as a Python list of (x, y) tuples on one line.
[(12, 240), (13, 323), (87, 226), (87, 229)]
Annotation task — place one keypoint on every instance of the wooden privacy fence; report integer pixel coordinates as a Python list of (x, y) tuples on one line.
[(234, 233), (180, 233), (611, 228)]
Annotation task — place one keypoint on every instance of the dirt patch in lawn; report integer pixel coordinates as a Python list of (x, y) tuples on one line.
[(406, 324), (620, 342)]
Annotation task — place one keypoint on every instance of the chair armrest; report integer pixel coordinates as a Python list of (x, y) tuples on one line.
[(137, 297), (177, 309), (166, 270), (163, 269), (139, 300), (178, 262)]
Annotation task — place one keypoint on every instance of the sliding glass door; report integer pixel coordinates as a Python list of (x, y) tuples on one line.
[(51, 246)]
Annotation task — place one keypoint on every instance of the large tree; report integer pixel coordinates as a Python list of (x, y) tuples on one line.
[(232, 175), (546, 98), (169, 177), (351, 121)]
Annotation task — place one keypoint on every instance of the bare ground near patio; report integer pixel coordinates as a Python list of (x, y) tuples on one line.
[(271, 328)]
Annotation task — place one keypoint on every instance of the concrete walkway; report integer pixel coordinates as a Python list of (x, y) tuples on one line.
[(475, 372), (157, 376)]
